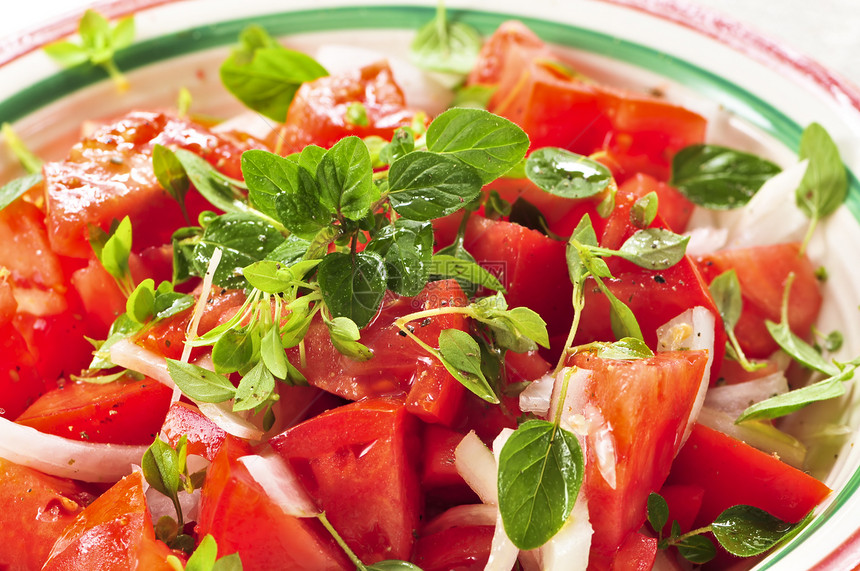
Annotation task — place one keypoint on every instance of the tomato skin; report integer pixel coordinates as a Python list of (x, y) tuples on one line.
[(455, 549), (637, 553), (644, 404), (204, 436), (113, 533), (318, 112), (762, 272), (399, 366), (357, 462), (439, 476), (235, 510), (20, 381), (121, 412), (42, 505), (732, 472), (684, 503), (109, 175)]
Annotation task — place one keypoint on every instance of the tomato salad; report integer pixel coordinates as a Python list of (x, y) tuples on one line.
[(378, 339)]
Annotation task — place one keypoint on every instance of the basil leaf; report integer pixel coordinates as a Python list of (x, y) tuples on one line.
[(654, 248), (353, 285), (726, 291), (644, 210), (140, 305), (233, 351), (424, 185), (746, 531), (290, 251), (697, 549), (490, 144), (114, 252), (445, 46), (577, 268), (461, 356), (407, 247), (627, 348), (203, 558), (658, 512), (344, 336), (200, 384), (273, 355), (264, 75), (183, 242), (12, 190), (267, 175), (393, 565), (476, 96), (160, 464), (799, 350), (719, 177), (345, 177), (243, 240), (825, 183), (230, 562), (566, 174), (210, 183), (540, 472), (528, 215), (255, 388), (786, 403), (402, 143), (170, 174), (445, 266)]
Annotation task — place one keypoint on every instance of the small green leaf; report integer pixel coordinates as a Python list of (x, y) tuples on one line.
[(344, 335), (233, 351), (114, 252), (719, 177), (203, 558), (273, 355), (800, 350), (726, 291), (627, 348), (211, 184), (490, 144), (445, 266), (540, 472), (825, 183), (746, 531), (393, 565), (13, 189), (255, 388), (786, 403), (566, 174), (476, 96), (446, 46), (160, 464), (461, 356), (697, 549), (424, 185), (67, 54), (200, 384), (170, 173), (264, 75), (654, 248), (345, 177), (658, 512), (407, 247), (353, 285), (183, 242), (31, 163), (140, 305), (268, 175), (402, 143), (644, 210)]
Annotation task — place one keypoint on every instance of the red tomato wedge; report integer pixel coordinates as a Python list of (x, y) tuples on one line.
[(204, 436), (108, 175), (318, 113), (455, 549), (358, 463), (121, 412), (20, 382), (637, 553), (732, 472), (236, 511), (643, 406), (39, 504), (112, 533), (762, 272)]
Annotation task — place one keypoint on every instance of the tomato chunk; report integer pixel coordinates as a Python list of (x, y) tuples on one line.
[(39, 504), (455, 549), (236, 511), (643, 406), (127, 411), (357, 462), (112, 533)]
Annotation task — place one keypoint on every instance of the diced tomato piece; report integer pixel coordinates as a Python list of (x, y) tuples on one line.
[(732, 372), (204, 436), (24, 248), (318, 112), (762, 272), (112, 533), (643, 405), (439, 476), (398, 366), (126, 411), (684, 503), (357, 462), (20, 381), (39, 504), (673, 207), (46, 334), (637, 553), (493, 61), (732, 472), (236, 511), (455, 549), (108, 175)]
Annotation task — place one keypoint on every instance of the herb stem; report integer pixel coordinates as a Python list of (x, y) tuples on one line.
[(809, 231), (578, 302), (359, 566), (402, 321)]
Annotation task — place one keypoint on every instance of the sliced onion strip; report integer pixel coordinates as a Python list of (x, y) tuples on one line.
[(280, 484)]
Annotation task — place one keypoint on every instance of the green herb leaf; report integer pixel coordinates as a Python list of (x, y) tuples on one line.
[(746, 531), (719, 177), (490, 144), (13, 189), (233, 351), (446, 46), (268, 175), (825, 183), (255, 388), (800, 350), (344, 335), (264, 75), (402, 143), (200, 384), (697, 549), (786, 403), (272, 354), (170, 174), (627, 348), (424, 185), (353, 285), (566, 174), (210, 183), (160, 464), (445, 266), (658, 512), (393, 565), (644, 210), (31, 163), (654, 248), (476, 96), (345, 177), (726, 291), (113, 250), (407, 247), (540, 473), (140, 305), (461, 356)]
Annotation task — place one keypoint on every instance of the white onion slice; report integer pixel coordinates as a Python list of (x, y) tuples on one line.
[(568, 549), (465, 515), (503, 552), (200, 306), (280, 484), (160, 505), (58, 456), (734, 399), (706, 240), (477, 466), (761, 435), (693, 330), (535, 398)]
